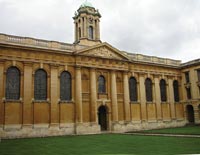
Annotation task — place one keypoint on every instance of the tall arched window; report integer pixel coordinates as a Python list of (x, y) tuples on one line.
[(101, 84), (148, 88), (176, 91), (13, 83), (91, 35), (65, 86), (198, 75), (163, 91), (133, 89), (40, 85)]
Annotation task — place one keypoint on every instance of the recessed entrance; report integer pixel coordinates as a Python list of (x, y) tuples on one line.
[(102, 117), (190, 113)]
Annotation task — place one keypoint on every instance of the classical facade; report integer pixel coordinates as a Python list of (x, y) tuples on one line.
[(52, 88)]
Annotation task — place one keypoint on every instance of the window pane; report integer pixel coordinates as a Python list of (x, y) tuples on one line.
[(40, 85), (90, 32), (65, 86), (13, 84), (148, 88), (176, 91), (163, 91), (187, 77), (133, 89), (101, 85), (198, 74)]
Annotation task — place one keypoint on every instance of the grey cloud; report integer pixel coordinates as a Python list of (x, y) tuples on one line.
[(153, 27)]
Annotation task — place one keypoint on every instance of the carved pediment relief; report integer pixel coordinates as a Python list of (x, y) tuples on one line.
[(104, 51)]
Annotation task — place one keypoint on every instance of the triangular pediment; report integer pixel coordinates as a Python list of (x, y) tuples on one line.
[(103, 50)]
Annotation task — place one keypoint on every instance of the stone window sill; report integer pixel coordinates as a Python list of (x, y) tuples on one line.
[(66, 102), (12, 101), (41, 101)]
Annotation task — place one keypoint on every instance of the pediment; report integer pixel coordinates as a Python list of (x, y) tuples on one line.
[(105, 51)]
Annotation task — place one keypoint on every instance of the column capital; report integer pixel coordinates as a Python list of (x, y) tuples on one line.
[(27, 63), (2, 61), (142, 74), (78, 67), (53, 65)]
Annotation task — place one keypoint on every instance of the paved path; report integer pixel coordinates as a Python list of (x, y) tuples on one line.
[(164, 135)]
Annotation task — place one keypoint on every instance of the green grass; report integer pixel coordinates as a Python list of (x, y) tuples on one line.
[(188, 130), (101, 144)]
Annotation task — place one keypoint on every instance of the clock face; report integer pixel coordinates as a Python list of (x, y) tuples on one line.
[(90, 20)]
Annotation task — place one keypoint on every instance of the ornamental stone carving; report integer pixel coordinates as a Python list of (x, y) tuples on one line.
[(104, 52)]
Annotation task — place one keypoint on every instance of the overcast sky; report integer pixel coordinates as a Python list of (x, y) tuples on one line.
[(164, 28)]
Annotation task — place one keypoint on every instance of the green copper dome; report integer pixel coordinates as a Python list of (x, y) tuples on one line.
[(86, 4)]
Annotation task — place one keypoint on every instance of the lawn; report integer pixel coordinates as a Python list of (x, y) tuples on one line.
[(101, 144), (188, 130)]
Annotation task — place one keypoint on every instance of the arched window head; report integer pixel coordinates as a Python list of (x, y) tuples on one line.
[(91, 33), (163, 91), (176, 91), (13, 83), (40, 85), (133, 89), (65, 86), (101, 84), (148, 89)]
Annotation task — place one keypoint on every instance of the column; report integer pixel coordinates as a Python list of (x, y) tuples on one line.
[(171, 97), (183, 90), (27, 105), (126, 97), (143, 98), (194, 88), (75, 31), (85, 27), (78, 84), (54, 96), (114, 97), (82, 27), (98, 31), (1, 94), (158, 98), (93, 95)]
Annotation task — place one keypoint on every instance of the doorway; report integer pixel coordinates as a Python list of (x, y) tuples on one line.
[(190, 113), (102, 118)]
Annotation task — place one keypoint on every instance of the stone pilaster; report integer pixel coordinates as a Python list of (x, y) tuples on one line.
[(98, 30), (193, 80), (158, 98), (114, 97), (93, 96), (126, 97), (1, 93), (54, 96), (171, 98), (78, 83), (85, 27), (27, 105), (143, 98)]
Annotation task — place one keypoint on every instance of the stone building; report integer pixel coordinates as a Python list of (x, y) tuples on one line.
[(53, 88)]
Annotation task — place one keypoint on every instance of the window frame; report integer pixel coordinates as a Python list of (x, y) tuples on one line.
[(13, 93), (149, 89), (67, 87), (101, 85), (42, 96), (163, 90), (176, 91), (133, 93)]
